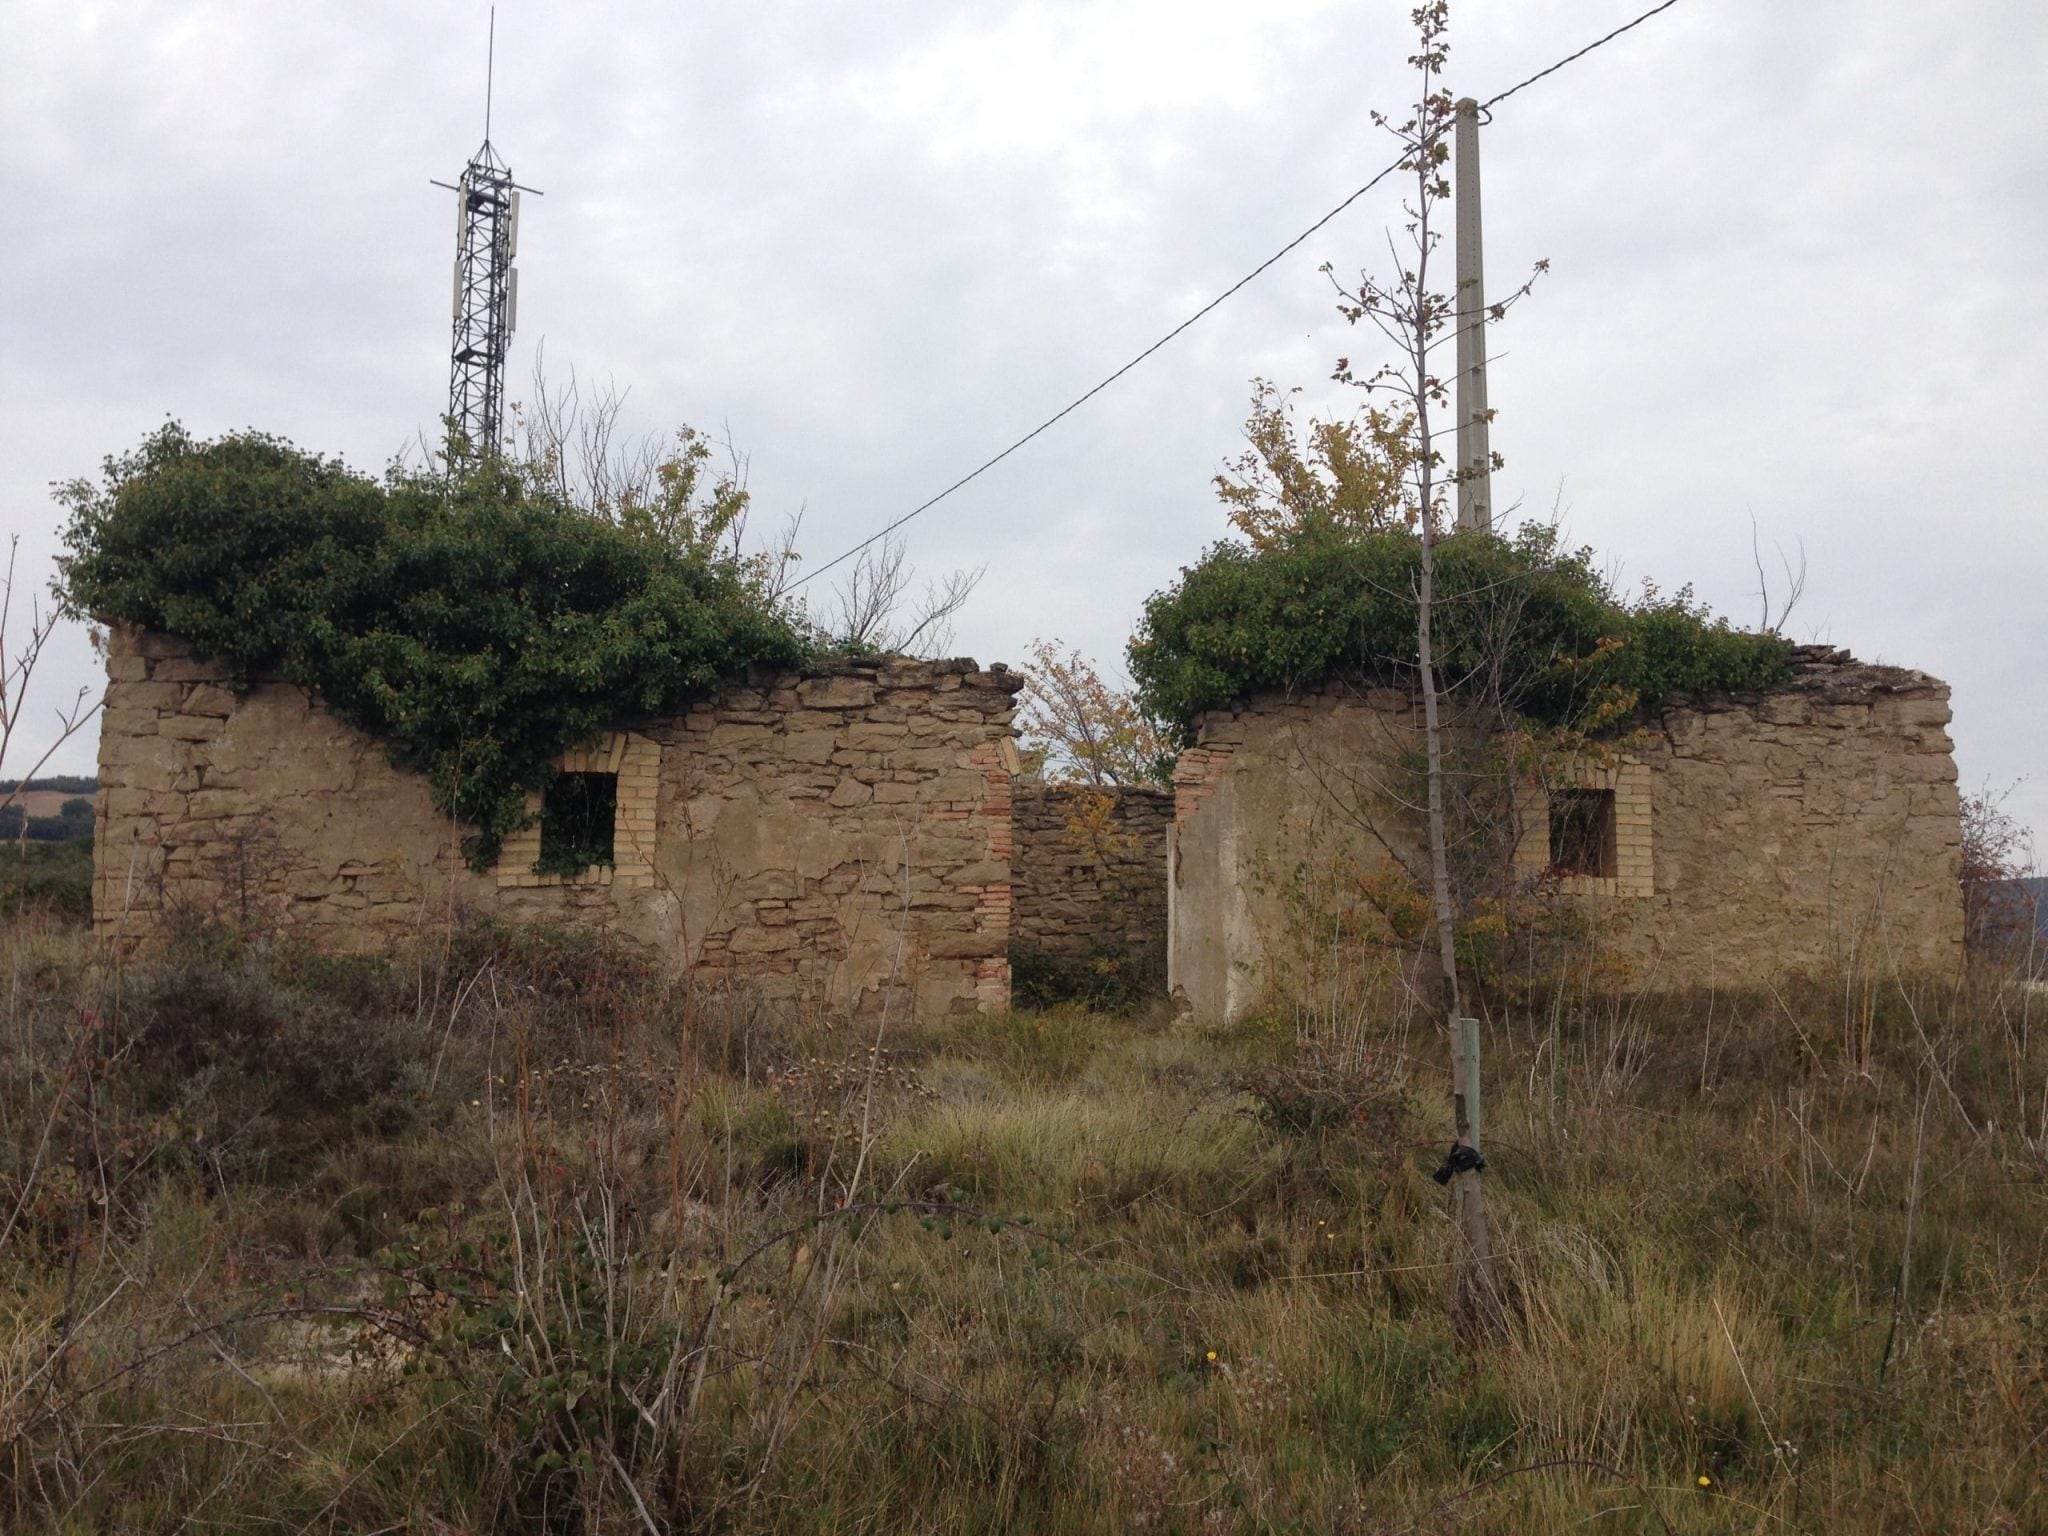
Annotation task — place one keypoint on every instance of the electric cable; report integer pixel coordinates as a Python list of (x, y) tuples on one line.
[(1081, 400), (1573, 58), (1215, 303)]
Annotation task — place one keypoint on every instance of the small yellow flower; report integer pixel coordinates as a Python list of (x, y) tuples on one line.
[(1706, 1481), (1212, 1357)]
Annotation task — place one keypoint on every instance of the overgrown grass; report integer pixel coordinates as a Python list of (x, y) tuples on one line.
[(527, 1237)]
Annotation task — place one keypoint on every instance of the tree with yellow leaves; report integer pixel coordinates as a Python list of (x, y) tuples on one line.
[(1082, 730), (1338, 476)]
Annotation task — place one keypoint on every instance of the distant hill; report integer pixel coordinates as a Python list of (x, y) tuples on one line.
[(60, 783), (49, 810)]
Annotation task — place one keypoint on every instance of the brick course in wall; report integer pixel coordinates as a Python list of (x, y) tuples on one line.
[(1628, 780), (1091, 871), (828, 841)]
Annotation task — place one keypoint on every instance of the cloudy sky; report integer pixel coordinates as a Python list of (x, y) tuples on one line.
[(1796, 256)]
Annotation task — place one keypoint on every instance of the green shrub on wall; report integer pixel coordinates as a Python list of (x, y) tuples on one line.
[(1520, 616), (478, 625)]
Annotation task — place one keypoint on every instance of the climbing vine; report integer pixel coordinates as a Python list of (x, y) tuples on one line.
[(479, 624)]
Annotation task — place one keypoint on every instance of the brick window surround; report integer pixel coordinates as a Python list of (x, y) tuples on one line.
[(1633, 867), (637, 762)]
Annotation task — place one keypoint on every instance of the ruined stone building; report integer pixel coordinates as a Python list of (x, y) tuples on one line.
[(829, 841), (1727, 843), (838, 840)]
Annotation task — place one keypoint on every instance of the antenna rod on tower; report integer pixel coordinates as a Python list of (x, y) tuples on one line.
[(490, 70)]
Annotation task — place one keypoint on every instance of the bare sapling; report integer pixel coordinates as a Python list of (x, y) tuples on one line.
[(873, 610), (19, 660), (1415, 320)]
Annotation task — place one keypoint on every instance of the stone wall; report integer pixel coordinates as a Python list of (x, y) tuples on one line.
[(259, 809), (1091, 874), (1811, 828), (824, 841)]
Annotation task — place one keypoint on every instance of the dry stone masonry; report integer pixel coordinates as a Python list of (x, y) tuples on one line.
[(1811, 828), (1091, 873), (807, 823), (828, 841)]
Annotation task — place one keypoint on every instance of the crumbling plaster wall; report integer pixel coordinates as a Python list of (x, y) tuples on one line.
[(822, 840), (1809, 828), (1091, 872), (1278, 798)]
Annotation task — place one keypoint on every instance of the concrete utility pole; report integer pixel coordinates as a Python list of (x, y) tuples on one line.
[(1475, 457)]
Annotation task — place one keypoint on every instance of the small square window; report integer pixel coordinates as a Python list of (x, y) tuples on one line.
[(1582, 832), (577, 811)]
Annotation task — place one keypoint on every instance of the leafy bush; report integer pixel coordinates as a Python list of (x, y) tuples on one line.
[(54, 877), (1322, 603), (479, 625)]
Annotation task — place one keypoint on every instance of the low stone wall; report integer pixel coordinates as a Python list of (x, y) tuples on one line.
[(1811, 828), (1815, 828), (823, 840), (260, 809), (1091, 875)]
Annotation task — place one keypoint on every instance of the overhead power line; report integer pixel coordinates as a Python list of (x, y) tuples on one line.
[(1080, 400), (1573, 58)]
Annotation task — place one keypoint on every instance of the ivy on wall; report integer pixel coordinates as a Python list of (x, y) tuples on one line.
[(1535, 625), (478, 625)]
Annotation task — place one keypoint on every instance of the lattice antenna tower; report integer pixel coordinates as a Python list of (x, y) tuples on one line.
[(486, 289)]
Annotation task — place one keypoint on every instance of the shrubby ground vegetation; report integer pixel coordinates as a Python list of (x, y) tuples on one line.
[(518, 1234)]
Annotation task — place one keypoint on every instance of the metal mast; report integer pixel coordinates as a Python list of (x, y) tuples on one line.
[(486, 302), (486, 292)]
